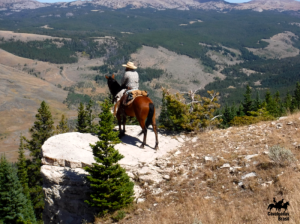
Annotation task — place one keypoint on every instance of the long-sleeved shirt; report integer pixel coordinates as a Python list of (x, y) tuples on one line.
[(133, 79)]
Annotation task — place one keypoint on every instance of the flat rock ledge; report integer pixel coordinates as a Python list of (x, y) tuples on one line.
[(65, 155)]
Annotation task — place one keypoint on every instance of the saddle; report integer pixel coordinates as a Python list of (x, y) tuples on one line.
[(130, 97)]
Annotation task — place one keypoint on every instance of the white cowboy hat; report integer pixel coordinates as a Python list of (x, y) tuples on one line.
[(130, 65)]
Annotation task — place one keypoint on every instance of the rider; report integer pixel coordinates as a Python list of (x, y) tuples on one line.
[(130, 79), (130, 82)]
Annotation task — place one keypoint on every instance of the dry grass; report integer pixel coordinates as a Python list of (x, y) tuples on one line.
[(25, 37), (203, 192), (280, 46), (20, 98)]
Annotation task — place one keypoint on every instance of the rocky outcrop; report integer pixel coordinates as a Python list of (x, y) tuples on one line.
[(65, 155)]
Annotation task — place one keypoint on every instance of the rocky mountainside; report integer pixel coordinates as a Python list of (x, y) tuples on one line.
[(21, 4), (280, 5), (166, 4), (220, 5)]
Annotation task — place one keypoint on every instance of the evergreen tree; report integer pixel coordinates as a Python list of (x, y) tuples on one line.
[(163, 119), (227, 116), (247, 104), (85, 119), (279, 105), (271, 104), (90, 117), (40, 132), (111, 188), (81, 125), (288, 102), (296, 97), (233, 111), (240, 111), (23, 178), (14, 206), (257, 102), (62, 126)]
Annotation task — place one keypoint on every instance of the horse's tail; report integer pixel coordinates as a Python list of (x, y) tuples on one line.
[(149, 117)]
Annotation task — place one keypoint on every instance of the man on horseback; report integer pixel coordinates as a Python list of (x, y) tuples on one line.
[(130, 80), (140, 106)]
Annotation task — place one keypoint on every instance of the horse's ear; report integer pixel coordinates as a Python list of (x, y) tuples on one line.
[(113, 76), (106, 77)]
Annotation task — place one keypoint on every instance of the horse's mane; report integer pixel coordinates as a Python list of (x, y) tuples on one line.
[(114, 86)]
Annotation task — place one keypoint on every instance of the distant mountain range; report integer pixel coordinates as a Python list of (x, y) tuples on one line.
[(220, 5)]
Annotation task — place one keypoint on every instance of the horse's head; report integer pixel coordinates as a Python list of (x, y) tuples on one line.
[(113, 85)]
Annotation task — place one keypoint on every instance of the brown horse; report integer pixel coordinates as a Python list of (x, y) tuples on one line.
[(142, 108)]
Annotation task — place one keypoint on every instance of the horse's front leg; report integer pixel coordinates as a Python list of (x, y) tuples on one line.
[(121, 134)]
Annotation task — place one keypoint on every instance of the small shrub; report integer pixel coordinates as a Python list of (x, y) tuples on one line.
[(197, 221), (120, 215), (256, 116), (192, 113), (281, 156)]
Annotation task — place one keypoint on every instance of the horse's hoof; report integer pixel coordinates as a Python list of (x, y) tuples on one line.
[(142, 146), (156, 148)]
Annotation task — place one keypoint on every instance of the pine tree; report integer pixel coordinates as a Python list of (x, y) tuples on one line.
[(233, 111), (163, 117), (81, 125), (288, 102), (279, 105), (271, 104), (62, 126), (257, 102), (85, 118), (240, 111), (296, 96), (247, 104), (111, 188), (23, 178), (14, 206), (227, 116), (40, 132), (90, 117)]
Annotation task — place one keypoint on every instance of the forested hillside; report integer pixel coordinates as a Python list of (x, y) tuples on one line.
[(177, 31)]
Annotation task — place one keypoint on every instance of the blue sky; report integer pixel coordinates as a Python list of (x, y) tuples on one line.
[(51, 1)]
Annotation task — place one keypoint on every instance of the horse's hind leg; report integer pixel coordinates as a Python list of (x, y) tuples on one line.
[(155, 131), (144, 130)]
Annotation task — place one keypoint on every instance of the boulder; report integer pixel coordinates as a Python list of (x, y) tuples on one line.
[(65, 155)]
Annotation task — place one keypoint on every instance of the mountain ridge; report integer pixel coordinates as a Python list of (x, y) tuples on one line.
[(220, 5)]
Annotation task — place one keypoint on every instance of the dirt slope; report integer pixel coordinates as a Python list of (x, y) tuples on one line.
[(20, 98), (226, 176)]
